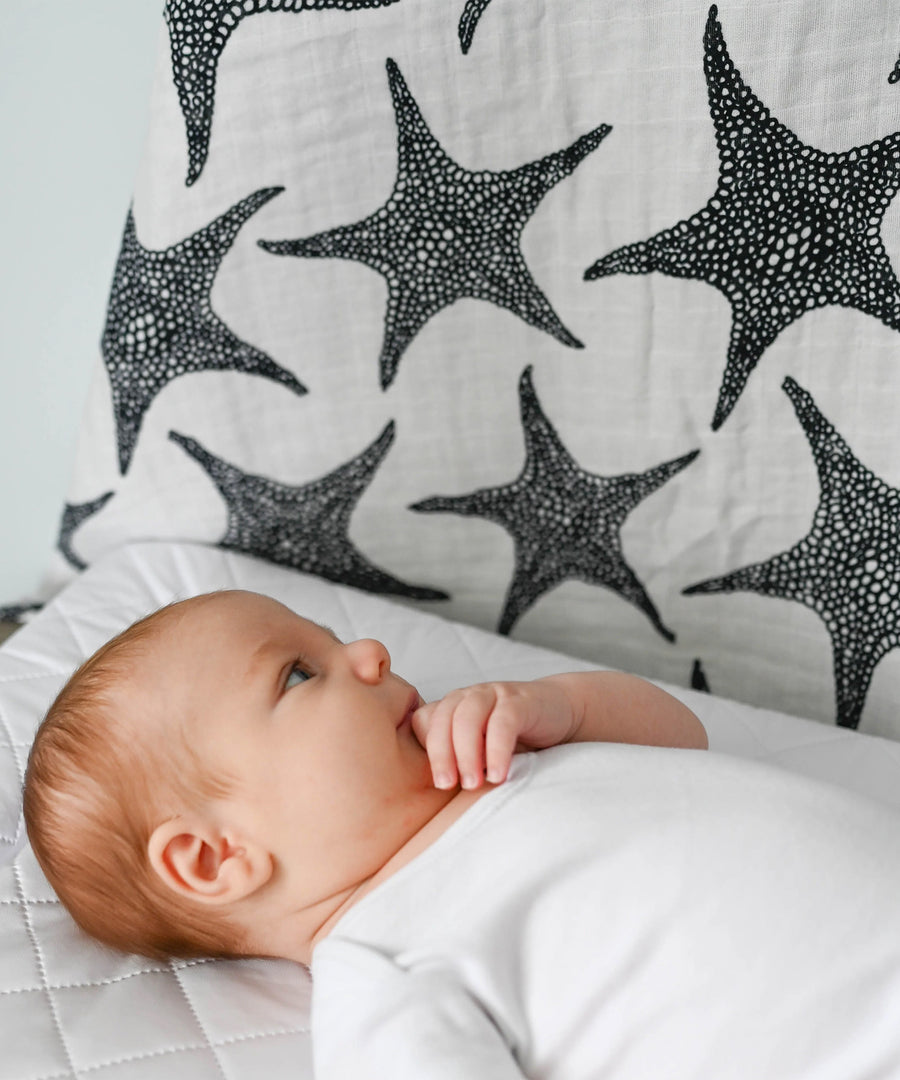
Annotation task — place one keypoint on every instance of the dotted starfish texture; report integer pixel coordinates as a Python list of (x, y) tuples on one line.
[(789, 228), (160, 322), (467, 24), (447, 233), (564, 521), (74, 515), (847, 569), (304, 527), (198, 33)]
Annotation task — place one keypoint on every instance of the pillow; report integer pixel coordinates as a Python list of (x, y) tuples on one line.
[(571, 319)]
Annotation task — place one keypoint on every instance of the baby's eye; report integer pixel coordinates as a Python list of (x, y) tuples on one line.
[(295, 676)]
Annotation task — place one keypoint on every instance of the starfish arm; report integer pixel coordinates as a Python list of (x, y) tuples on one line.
[(223, 475), (406, 313), (352, 568), (633, 488), (207, 247), (542, 442), (827, 446), (130, 402), (489, 503), (841, 474), (361, 241), (531, 182), (73, 516), (468, 21), (775, 577), (510, 285), (751, 334), (418, 151), (194, 65), (223, 350), (855, 659), (340, 490), (733, 105), (532, 578), (679, 252), (769, 578), (864, 279), (624, 582)]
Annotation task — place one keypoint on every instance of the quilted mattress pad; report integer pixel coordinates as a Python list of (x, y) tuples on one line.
[(71, 1008)]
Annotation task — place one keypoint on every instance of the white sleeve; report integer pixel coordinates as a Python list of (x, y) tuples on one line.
[(373, 1019)]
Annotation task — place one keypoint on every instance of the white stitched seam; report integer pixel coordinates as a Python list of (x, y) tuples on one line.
[(50, 1076), (200, 1023), (85, 985), (28, 900), (147, 1054)]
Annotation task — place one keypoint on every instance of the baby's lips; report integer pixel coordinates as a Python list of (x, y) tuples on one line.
[(414, 704)]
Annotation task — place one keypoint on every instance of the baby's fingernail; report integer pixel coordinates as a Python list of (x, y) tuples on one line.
[(443, 780), (494, 775), (469, 780)]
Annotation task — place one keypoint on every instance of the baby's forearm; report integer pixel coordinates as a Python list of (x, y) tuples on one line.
[(475, 730), (610, 706)]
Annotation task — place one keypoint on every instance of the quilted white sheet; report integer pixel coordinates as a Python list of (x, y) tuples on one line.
[(69, 1008)]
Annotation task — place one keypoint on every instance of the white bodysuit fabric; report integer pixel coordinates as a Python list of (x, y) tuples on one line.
[(626, 912)]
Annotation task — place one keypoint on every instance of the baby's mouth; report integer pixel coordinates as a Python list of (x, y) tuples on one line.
[(414, 702)]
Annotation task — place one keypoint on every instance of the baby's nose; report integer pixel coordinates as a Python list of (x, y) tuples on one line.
[(370, 660)]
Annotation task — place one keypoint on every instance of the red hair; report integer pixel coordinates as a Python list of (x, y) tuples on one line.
[(96, 788)]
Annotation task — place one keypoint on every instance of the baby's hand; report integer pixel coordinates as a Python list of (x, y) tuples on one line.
[(477, 729)]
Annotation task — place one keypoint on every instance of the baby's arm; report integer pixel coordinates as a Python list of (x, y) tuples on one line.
[(478, 728)]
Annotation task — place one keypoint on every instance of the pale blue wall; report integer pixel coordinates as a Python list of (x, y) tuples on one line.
[(74, 91)]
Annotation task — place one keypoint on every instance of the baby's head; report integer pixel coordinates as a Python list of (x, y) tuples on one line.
[(221, 777)]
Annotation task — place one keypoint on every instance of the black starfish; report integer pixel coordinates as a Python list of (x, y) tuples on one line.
[(469, 21), (304, 527), (198, 33), (847, 568), (447, 233), (160, 323), (788, 229), (74, 514), (565, 521)]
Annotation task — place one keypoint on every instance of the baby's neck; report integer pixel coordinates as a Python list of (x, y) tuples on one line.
[(417, 843)]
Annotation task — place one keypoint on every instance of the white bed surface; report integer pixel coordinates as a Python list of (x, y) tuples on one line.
[(69, 1008)]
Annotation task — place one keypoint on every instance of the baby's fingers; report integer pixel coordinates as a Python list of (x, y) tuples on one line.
[(432, 725), (500, 743), (467, 730)]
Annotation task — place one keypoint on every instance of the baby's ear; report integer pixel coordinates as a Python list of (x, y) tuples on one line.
[(198, 860)]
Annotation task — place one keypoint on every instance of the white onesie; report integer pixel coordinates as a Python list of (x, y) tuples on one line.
[(617, 912)]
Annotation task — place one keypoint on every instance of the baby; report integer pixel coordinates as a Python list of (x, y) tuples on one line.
[(227, 778)]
